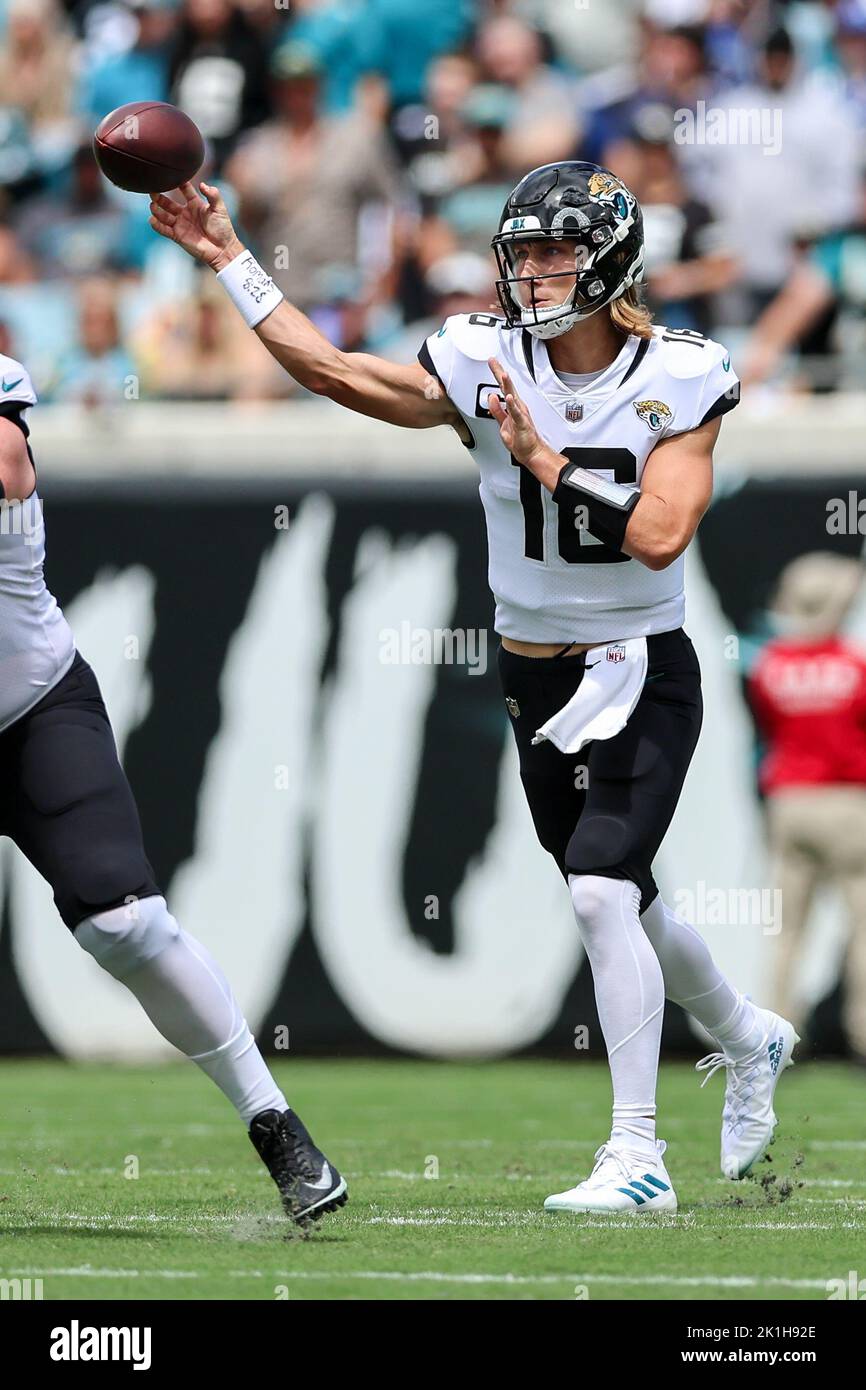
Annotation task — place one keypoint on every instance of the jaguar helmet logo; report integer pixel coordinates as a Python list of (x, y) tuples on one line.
[(604, 188), (653, 413)]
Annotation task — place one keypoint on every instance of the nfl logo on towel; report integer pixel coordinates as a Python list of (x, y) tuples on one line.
[(616, 653)]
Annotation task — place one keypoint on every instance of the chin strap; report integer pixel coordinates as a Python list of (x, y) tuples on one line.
[(556, 325)]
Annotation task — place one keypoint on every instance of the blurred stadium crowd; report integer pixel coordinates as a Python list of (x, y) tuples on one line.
[(366, 147)]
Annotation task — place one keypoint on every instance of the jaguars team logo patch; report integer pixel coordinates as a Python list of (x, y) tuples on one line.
[(513, 706), (653, 413)]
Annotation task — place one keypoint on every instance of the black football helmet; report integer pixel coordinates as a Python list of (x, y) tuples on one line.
[(593, 208)]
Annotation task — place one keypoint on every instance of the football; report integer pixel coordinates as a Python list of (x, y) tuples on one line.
[(148, 147)]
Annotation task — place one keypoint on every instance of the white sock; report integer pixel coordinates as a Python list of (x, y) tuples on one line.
[(186, 996), (629, 994), (693, 981)]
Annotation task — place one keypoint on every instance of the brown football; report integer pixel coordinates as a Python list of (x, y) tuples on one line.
[(148, 147)]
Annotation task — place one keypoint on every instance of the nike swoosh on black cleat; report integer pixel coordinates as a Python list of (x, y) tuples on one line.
[(309, 1185)]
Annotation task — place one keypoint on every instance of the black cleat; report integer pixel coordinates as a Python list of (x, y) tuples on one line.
[(308, 1184)]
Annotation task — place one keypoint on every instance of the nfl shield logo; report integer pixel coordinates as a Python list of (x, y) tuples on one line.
[(513, 706), (616, 653), (573, 412)]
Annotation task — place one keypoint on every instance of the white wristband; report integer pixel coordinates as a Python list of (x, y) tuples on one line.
[(250, 288)]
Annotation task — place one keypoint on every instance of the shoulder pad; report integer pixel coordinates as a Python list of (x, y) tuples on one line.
[(686, 355), (472, 336), (703, 383), (15, 383)]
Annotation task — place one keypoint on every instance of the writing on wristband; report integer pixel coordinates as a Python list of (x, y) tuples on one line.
[(250, 288)]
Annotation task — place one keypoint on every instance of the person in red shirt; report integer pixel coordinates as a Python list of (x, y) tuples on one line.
[(808, 695)]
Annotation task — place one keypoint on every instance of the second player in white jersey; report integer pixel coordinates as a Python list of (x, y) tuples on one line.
[(36, 644), (552, 582), (66, 803)]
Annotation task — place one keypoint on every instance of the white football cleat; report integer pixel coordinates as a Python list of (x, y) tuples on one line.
[(621, 1181), (748, 1117)]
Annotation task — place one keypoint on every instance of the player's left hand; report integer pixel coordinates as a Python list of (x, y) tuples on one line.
[(516, 429)]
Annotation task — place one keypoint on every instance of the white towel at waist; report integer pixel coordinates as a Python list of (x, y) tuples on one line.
[(604, 700)]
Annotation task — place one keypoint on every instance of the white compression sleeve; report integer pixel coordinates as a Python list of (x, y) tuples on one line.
[(186, 996), (629, 994), (693, 981)]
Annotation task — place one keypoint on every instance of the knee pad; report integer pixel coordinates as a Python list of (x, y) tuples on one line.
[(125, 938), (602, 845), (599, 842)]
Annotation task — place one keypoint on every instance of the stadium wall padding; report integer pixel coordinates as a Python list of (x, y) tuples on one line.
[(346, 831)]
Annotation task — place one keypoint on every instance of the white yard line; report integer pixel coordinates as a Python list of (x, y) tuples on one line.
[(446, 1143), (627, 1223), (807, 1182), (104, 1221), (432, 1216), (164, 1129), (829, 1182), (117, 1172), (729, 1281), (836, 1144), (832, 1201), (88, 1272), (393, 1174), (732, 1281)]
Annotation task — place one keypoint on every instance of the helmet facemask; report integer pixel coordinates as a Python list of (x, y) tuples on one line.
[(584, 289), (598, 215)]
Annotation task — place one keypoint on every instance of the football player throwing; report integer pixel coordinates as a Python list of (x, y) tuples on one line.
[(593, 432)]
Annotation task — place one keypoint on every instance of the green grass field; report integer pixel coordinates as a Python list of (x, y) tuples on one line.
[(202, 1219)]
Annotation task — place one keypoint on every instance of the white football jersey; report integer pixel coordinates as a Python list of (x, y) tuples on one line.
[(36, 644), (553, 583)]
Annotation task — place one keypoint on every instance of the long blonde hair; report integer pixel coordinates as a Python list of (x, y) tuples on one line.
[(629, 314)]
